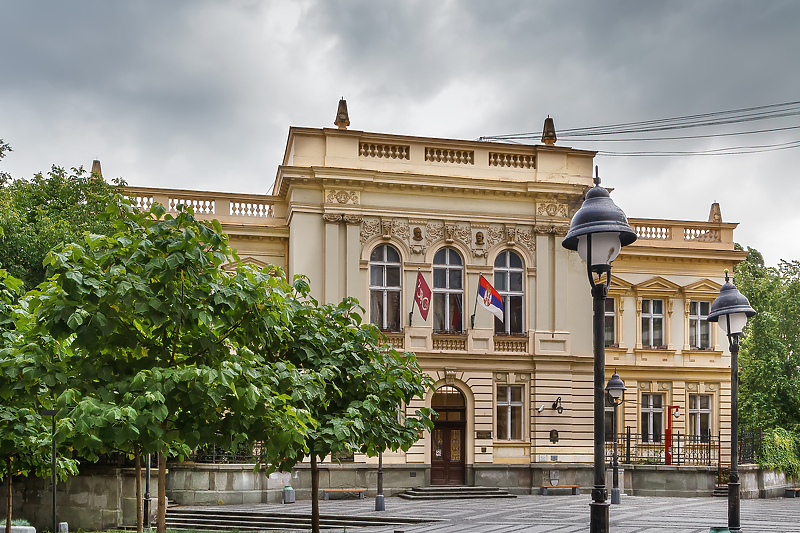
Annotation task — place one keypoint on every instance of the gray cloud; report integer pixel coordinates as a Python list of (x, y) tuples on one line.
[(201, 94)]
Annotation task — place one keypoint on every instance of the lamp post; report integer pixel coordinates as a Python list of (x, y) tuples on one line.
[(597, 232), (380, 504), (53, 413), (731, 310), (616, 389)]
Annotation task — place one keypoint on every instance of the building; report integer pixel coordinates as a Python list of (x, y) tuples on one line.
[(361, 214)]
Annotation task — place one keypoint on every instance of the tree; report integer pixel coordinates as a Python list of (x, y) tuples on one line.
[(4, 176), (160, 349), (25, 439), (47, 211), (770, 357), (367, 384)]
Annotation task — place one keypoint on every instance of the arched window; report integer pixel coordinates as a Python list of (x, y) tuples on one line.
[(509, 274), (384, 288), (448, 291)]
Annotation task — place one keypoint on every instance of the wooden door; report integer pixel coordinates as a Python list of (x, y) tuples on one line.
[(447, 450)]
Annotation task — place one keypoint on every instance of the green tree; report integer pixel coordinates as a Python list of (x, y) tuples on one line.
[(25, 439), (150, 345), (45, 212), (4, 176), (769, 361), (367, 385)]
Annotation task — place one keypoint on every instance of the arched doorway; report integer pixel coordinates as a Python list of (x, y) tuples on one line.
[(449, 437)]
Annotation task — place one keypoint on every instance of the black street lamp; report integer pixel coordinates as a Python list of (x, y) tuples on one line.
[(616, 389), (380, 504), (732, 309), (597, 232)]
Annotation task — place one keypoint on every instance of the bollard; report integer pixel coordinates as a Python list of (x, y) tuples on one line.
[(288, 494), (723, 529), (63, 527)]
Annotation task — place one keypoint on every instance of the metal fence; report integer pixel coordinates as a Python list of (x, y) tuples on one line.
[(215, 455), (751, 442), (677, 449)]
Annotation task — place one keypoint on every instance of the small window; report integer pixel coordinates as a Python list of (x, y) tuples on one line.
[(509, 412), (700, 416), (509, 276), (448, 292), (699, 330), (610, 323), (385, 288), (609, 418), (652, 417), (653, 323)]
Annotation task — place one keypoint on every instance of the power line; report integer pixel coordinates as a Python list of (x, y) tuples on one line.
[(736, 150)]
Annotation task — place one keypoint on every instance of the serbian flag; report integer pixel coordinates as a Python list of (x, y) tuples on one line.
[(489, 298), (422, 296)]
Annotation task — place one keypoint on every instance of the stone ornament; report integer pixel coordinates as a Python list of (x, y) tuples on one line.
[(400, 230), (352, 219), (417, 234), (511, 233), (368, 229), (552, 210), (386, 228), (479, 239), (332, 218), (342, 197)]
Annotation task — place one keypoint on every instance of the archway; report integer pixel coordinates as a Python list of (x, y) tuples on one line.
[(449, 437)]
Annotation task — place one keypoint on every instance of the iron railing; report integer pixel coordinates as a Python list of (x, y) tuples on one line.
[(751, 442), (682, 449), (216, 455)]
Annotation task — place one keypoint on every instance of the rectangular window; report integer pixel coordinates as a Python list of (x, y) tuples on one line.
[(653, 323), (652, 417), (611, 323), (699, 330), (609, 419), (509, 412), (700, 416)]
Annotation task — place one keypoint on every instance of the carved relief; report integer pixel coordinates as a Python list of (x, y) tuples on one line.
[(332, 218), (511, 233), (400, 229), (495, 235), (463, 234), (342, 197), (386, 228), (369, 228), (433, 232), (352, 219), (449, 232), (479, 239), (556, 229), (525, 237), (552, 210), (417, 234)]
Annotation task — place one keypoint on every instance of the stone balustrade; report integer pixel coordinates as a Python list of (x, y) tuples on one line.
[(683, 234)]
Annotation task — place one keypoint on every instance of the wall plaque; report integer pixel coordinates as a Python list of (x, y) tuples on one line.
[(483, 434)]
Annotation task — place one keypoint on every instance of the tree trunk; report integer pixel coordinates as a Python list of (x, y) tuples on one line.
[(161, 521), (9, 492), (314, 493), (137, 458)]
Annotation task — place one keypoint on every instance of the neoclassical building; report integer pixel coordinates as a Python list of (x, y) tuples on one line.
[(362, 213)]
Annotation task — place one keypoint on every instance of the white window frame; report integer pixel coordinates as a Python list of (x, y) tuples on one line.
[(447, 291), (613, 316), (651, 317), (697, 411), (696, 318), (509, 418), (386, 289), (651, 412), (505, 294)]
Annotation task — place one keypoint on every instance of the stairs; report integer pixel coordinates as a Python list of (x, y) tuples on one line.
[(249, 520), (448, 492), (721, 491)]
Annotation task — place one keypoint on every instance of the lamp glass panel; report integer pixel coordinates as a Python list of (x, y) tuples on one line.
[(738, 322), (605, 247), (615, 393)]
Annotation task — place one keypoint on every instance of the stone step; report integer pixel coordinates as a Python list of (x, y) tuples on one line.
[(407, 496), (453, 492)]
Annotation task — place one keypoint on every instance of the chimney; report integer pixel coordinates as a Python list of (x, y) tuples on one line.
[(342, 119), (715, 215), (549, 132), (96, 171)]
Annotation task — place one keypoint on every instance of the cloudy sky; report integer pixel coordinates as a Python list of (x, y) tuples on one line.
[(200, 94)]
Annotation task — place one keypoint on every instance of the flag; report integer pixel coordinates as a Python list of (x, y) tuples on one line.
[(422, 296), (489, 298)]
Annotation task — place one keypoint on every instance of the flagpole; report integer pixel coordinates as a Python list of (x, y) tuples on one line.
[(475, 308), (413, 297)]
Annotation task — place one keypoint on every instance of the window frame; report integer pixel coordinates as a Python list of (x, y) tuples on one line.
[(651, 411), (612, 314), (385, 289), (447, 291), (651, 317), (506, 294), (695, 323), (697, 430), (511, 405)]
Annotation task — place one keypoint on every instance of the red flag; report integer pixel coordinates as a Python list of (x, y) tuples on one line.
[(422, 296)]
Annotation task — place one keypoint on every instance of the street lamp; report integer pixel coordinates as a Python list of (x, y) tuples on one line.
[(53, 413), (597, 232), (732, 309), (616, 389)]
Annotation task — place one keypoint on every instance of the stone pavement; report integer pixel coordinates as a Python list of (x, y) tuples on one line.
[(562, 514)]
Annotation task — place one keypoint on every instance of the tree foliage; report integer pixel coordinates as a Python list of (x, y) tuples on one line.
[(48, 211), (769, 377)]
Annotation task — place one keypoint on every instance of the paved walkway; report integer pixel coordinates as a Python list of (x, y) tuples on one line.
[(563, 514)]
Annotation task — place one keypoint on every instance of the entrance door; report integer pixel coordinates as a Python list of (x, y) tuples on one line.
[(449, 437)]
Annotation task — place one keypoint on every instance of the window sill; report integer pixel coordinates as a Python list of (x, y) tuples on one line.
[(520, 335)]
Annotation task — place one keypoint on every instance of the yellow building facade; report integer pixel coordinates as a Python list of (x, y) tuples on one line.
[(361, 214)]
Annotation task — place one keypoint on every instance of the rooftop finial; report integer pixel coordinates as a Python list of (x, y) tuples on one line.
[(549, 132), (726, 275), (596, 176), (342, 118), (715, 215)]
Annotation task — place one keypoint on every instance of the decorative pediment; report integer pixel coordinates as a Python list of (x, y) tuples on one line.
[(657, 285), (618, 285), (702, 289), (246, 261)]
